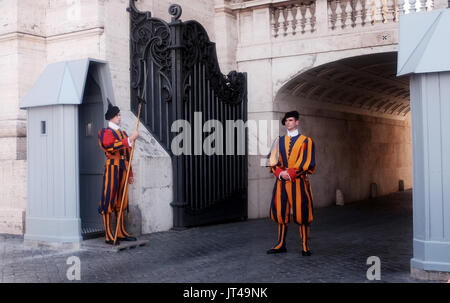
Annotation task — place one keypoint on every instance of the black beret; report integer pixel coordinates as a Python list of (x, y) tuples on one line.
[(112, 111), (291, 114)]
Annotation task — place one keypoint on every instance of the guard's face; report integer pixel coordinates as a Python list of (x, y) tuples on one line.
[(116, 119), (291, 123)]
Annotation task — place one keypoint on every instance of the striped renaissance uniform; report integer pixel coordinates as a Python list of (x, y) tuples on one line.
[(294, 152), (117, 147)]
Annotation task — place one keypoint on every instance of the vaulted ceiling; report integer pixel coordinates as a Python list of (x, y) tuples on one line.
[(365, 85)]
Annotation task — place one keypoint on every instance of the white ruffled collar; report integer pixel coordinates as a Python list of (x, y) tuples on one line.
[(292, 133), (113, 125)]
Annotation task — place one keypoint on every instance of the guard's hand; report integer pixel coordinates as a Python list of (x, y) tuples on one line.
[(284, 174), (134, 135), (130, 180)]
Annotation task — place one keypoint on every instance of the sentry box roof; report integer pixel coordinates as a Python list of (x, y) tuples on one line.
[(60, 83), (424, 42)]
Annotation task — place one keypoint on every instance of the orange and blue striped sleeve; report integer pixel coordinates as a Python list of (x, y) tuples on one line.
[(308, 159)]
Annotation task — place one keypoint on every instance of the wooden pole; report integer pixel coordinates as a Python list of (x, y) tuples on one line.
[(126, 178)]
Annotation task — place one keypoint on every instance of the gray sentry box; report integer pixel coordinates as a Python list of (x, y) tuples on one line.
[(424, 48), (65, 111)]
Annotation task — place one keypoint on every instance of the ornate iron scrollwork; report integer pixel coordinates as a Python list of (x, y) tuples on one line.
[(175, 11), (149, 39), (166, 59), (198, 48)]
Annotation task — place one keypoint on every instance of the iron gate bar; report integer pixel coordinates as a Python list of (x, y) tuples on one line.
[(184, 78)]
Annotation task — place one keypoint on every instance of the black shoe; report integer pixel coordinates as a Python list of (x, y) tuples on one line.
[(306, 253), (127, 239), (276, 251), (111, 242)]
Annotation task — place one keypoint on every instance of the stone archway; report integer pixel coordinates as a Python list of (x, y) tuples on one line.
[(357, 112), (363, 85)]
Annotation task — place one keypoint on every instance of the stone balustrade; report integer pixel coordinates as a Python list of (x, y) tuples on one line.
[(299, 17), (294, 18)]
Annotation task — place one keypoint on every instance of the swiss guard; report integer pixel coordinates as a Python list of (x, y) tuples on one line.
[(117, 147), (291, 159)]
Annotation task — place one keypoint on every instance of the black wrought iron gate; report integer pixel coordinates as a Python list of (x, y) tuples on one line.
[(174, 65)]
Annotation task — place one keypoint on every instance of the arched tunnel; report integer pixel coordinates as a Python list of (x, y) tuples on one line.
[(357, 111)]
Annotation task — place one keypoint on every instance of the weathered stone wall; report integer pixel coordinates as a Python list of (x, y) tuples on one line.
[(22, 57)]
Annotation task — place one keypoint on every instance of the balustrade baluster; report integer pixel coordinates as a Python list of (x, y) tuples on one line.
[(289, 21), (308, 17), (359, 14), (391, 10), (418, 5), (406, 7), (281, 22), (412, 6), (299, 19), (378, 11), (339, 23), (331, 15), (313, 16), (348, 14), (369, 11), (385, 9), (421, 5)]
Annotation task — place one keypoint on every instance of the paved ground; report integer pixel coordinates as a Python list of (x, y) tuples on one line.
[(342, 240)]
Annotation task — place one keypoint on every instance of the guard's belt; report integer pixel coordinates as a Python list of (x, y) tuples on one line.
[(117, 157)]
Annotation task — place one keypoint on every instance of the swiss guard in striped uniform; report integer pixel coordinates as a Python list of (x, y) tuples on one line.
[(117, 147), (291, 160)]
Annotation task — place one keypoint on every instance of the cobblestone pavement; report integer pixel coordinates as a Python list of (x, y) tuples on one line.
[(342, 239)]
